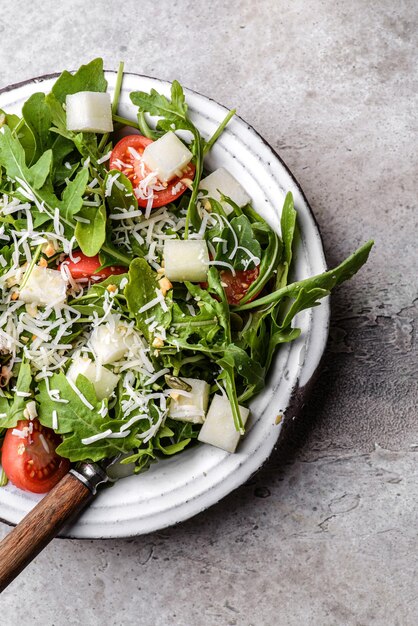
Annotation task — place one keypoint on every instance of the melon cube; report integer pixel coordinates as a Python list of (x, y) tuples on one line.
[(89, 111), (221, 181), (186, 260), (191, 407), (219, 428), (168, 156), (44, 287), (109, 342), (103, 380)]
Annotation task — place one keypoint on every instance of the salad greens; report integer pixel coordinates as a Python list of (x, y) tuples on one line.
[(59, 197)]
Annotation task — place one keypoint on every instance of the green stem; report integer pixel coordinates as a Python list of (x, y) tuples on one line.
[(118, 87), (115, 102), (18, 126), (123, 258), (31, 266), (144, 128), (196, 324), (199, 167), (219, 131), (326, 280), (125, 122)]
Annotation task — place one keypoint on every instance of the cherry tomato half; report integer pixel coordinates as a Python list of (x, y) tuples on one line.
[(31, 462), (237, 286), (88, 265), (123, 158)]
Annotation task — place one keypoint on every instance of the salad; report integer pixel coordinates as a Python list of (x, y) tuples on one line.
[(142, 298)]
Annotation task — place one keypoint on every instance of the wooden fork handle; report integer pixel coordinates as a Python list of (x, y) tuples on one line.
[(45, 521)]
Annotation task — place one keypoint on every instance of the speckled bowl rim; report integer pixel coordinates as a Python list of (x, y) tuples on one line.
[(298, 393)]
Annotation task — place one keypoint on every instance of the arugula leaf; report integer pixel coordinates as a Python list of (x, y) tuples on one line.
[(72, 198), (241, 249), (61, 150), (89, 77), (238, 363), (287, 226), (172, 111), (21, 131), (326, 281), (15, 409), (122, 196), (142, 289), (37, 116), (76, 421), (91, 237), (269, 259), (172, 448), (12, 158)]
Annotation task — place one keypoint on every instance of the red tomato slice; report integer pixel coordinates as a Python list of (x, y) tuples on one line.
[(88, 265), (237, 286), (125, 160), (31, 462)]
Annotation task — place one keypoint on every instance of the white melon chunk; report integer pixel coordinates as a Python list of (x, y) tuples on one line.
[(44, 287), (221, 181), (219, 428), (186, 260), (103, 380), (89, 112), (109, 342), (168, 156), (191, 407)]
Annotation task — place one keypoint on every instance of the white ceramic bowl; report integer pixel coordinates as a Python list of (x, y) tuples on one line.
[(179, 487)]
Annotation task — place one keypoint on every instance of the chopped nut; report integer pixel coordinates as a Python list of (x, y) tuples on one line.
[(187, 182), (49, 249), (14, 296), (165, 285), (112, 288), (5, 376), (17, 276), (206, 205), (43, 262), (157, 343)]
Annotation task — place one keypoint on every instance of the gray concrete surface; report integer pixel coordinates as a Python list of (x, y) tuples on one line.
[(326, 533)]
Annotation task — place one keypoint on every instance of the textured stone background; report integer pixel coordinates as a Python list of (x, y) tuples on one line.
[(326, 532)]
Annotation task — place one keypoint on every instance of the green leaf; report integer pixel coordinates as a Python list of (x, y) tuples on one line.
[(22, 132), (76, 421), (242, 250), (173, 111), (142, 289), (288, 226), (61, 149), (91, 237), (16, 408), (120, 198), (72, 198), (243, 366), (40, 170), (88, 77), (270, 257), (327, 280), (37, 115), (12, 158)]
